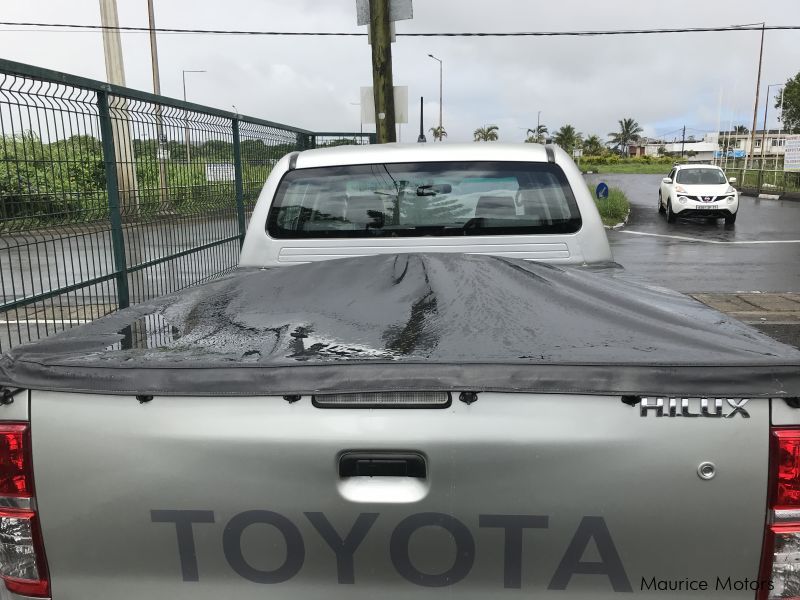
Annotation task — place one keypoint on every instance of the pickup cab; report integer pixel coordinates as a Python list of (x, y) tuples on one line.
[(528, 202), (471, 403)]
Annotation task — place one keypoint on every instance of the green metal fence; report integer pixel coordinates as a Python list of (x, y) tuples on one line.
[(756, 181), (110, 196)]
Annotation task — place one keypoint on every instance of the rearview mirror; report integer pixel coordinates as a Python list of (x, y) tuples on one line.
[(732, 180), (434, 189), (666, 180)]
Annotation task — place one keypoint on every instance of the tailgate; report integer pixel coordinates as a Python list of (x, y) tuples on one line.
[(541, 495)]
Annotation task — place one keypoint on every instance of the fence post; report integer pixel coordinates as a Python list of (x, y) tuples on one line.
[(237, 178), (112, 188), (305, 141)]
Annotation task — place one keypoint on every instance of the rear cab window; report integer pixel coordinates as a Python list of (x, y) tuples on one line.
[(418, 199)]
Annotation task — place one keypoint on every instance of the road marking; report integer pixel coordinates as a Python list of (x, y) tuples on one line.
[(703, 241), (46, 322)]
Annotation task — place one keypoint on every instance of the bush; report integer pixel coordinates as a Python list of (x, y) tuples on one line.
[(613, 209)]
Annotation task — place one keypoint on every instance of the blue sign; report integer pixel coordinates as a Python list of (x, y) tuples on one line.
[(601, 191), (729, 154)]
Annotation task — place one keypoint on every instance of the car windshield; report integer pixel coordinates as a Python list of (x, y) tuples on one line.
[(701, 177), (413, 199)]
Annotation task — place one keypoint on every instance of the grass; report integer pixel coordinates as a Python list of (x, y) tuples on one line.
[(613, 209), (639, 168)]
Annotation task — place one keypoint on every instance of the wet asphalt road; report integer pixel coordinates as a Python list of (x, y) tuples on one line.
[(761, 252)]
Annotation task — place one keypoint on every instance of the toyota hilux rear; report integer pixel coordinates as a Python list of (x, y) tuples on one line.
[(476, 426)]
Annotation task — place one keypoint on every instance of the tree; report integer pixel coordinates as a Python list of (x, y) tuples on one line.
[(790, 95), (438, 133), (740, 130), (568, 138), (662, 150), (593, 146), (216, 150), (487, 133), (629, 131), (535, 135)]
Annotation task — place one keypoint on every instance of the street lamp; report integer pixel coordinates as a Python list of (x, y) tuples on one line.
[(441, 130), (184, 72)]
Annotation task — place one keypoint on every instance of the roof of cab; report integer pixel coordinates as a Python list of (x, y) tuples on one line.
[(431, 152), (697, 166)]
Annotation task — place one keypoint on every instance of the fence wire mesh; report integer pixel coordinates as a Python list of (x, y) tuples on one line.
[(110, 196)]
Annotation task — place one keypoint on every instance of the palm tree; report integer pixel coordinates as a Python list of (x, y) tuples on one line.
[(593, 146), (629, 131), (568, 138), (535, 135), (438, 133), (740, 129), (487, 133)]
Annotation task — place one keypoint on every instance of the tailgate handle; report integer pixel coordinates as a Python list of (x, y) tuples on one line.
[(382, 464)]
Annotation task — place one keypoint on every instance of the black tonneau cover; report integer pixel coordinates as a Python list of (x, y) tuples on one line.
[(413, 322)]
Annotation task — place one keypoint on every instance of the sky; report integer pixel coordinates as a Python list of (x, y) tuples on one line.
[(666, 81)]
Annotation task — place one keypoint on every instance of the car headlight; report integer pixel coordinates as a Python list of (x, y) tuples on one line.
[(682, 199), (731, 199), (731, 190), (680, 189)]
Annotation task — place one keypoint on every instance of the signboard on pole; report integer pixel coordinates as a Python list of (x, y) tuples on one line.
[(400, 104), (399, 10), (791, 157)]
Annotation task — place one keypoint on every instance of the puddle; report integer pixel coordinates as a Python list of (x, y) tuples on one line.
[(150, 331)]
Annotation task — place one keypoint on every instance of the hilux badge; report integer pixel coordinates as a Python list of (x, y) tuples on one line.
[(682, 407)]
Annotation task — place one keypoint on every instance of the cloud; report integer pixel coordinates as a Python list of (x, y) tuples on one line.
[(661, 81)]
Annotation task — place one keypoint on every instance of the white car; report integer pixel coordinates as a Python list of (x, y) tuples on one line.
[(698, 191)]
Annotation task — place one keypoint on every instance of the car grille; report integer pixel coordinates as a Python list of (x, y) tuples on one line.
[(703, 198)]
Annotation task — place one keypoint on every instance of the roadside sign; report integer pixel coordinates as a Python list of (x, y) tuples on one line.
[(220, 172), (400, 104), (399, 10), (601, 191), (791, 157)]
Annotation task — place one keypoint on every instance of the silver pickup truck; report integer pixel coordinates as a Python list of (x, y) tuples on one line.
[(472, 402)]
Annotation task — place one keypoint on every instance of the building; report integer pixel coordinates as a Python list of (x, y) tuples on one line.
[(739, 143), (694, 150), (718, 145)]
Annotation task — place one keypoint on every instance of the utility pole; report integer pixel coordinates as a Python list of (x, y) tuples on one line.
[(755, 107), (112, 45), (162, 168), (683, 140), (151, 18), (382, 83), (538, 121), (115, 73)]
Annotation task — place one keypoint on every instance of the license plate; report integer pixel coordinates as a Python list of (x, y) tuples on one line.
[(708, 207)]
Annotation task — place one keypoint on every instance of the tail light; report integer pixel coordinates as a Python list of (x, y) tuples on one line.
[(23, 567), (780, 565)]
